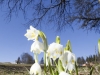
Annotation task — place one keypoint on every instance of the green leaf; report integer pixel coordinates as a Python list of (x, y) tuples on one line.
[(99, 46), (76, 68), (91, 71), (60, 67), (58, 39), (68, 46)]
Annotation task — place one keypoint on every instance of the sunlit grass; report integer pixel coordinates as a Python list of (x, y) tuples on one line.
[(20, 69)]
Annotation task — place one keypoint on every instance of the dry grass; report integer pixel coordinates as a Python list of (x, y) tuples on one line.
[(14, 69), (20, 69)]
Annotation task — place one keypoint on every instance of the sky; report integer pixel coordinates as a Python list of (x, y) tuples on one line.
[(13, 42)]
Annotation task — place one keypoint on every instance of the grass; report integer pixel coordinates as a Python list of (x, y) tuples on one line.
[(20, 69), (14, 69)]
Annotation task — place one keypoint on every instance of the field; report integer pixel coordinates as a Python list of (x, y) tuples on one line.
[(22, 69), (14, 69)]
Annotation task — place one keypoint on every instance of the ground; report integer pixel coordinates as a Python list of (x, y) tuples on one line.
[(22, 69)]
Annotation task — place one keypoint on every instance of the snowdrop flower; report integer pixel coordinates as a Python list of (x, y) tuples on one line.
[(32, 33), (63, 73), (37, 47), (35, 69), (68, 60), (55, 50)]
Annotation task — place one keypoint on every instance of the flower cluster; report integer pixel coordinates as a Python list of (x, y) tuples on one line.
[(66, 59)]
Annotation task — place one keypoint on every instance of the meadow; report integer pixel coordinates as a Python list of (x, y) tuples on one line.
[(14, 69), (22, 69)]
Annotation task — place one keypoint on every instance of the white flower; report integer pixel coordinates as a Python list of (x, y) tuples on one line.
[(68, 60), (32, 33), (63, 73), (35, 69), (55, 50), (37, 47)]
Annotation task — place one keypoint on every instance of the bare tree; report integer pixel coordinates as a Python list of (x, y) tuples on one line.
[(81, 60), (62, 13), (87, 13), (27, 58), (18, 61), (42, 61)]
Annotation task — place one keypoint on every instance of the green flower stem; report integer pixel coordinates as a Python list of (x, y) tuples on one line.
[(91, 71), (76, 69), (50, 68), (99, 46), (46, 47), (45, 63), (36, 58), (60, 67), (44, 39)]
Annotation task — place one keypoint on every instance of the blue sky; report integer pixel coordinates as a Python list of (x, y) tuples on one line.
[(13, 42)]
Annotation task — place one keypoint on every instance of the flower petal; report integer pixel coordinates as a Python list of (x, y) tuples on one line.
[(63, 73), (37, 47), (55, 50), (35, 69), (32, 33)]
